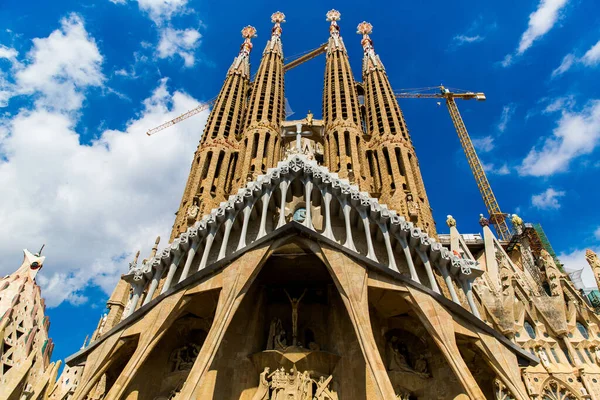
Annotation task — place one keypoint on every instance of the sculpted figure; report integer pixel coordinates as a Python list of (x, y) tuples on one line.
[(280, 341), (262, 393), (274, 329), (421, 365), (192, 211), (413, 207), (397, 360), (544, 358), (295, 302)]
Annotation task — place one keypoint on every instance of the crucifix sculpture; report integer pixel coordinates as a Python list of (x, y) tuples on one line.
[(295, 302)]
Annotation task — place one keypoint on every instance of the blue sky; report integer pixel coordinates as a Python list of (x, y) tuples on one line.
[(81, 81)]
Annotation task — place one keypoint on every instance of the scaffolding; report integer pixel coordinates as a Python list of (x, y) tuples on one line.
[(546, 244)]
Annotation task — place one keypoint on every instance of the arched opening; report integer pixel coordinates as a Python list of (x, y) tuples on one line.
[(165, 370), (416, 367), (118, 361), (483, 374), (291, 317)]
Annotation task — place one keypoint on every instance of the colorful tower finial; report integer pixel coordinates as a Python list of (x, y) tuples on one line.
[(371, 60), (364, 28), (248, 33), (277, 18), (333, 16), (335, 41)]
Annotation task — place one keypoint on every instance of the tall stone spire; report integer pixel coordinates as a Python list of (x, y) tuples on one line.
[(260, 139), (341, 110), (391, 157), (592, 259), (213, 169)]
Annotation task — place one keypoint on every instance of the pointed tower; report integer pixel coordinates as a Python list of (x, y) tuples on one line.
[(592, 259), (261, 142), (341, 110), (216, 158), (391, 157), (25, 348)]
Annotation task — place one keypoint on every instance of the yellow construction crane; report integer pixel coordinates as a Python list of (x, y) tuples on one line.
[(301, 58), (497, 217)]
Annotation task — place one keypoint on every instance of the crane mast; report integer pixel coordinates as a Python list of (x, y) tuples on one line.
[(496, 217)]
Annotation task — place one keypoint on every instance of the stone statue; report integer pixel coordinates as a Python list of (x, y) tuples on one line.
[(183, 357), (262, 393), (192, 211), (295, 302), (397, 356), (450, 221), (544, 357), (597, 354), (413, 207), (102, 324), (421, 366), (274, 329), (483, 221), (292, 385), (517, 223)]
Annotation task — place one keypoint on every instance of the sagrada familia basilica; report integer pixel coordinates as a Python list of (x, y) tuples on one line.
[(305, 264)]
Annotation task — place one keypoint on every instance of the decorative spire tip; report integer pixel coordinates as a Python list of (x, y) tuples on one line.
[(333, 15), (249, 32), (278, 17), (364, 28)]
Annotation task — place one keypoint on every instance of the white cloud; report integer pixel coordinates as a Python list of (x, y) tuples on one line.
[(484, 144), (464, 39), (163, 10), (559, 104), (160, 11), (547, 200), (8, 53), (566, 64), (475, 33), (92, 204), (172, 41), (597, 233), (60, 67), (592, 56), (507, 61), (541, 21), (179, 42), (493, 170), (507, 113), (576, 134)]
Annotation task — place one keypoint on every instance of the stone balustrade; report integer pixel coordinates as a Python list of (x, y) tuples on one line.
[(386, 238)]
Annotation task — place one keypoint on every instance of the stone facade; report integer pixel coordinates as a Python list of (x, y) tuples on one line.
[(313, 270), (25, 348)]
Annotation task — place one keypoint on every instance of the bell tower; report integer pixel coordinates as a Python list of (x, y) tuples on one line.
[(212, 174), (261, 141), (341, 110), (391, 158)]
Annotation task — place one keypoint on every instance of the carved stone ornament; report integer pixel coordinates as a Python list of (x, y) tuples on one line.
[(293, 385)]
